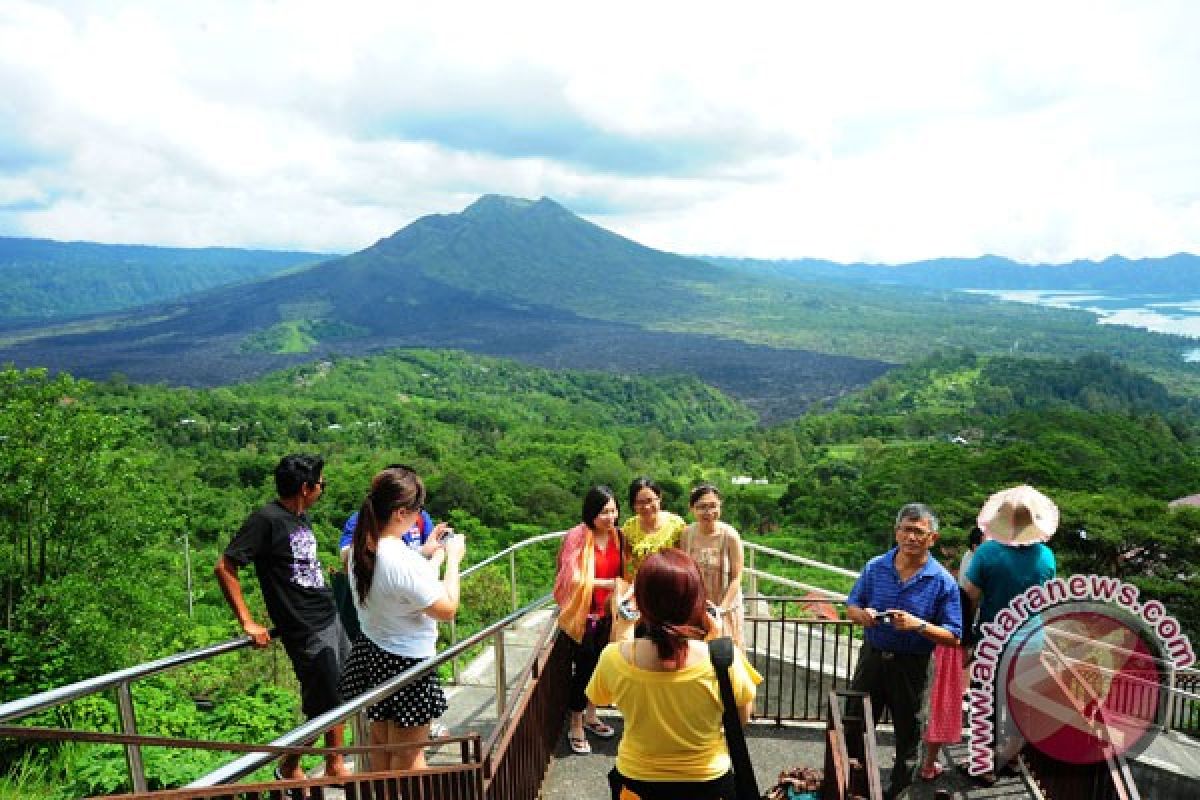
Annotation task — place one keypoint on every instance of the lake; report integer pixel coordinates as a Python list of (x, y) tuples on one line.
[(1158, 313)]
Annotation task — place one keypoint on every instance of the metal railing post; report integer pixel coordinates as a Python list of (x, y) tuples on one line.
[(512, 578), (501, 675), (454, 668), (133, 752), (362, 736), (753, 576), (1172, 698)]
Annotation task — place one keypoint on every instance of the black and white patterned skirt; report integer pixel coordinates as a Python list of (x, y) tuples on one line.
[(370, 665)]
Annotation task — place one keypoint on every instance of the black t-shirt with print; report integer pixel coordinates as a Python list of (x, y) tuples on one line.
[(284, 552)]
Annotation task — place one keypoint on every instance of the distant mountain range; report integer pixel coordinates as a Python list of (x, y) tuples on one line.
[(42, 279), (505, 277), (1174, 275), (532, 281)]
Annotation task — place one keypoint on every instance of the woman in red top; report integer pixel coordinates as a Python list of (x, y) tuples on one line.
[(588, 566)]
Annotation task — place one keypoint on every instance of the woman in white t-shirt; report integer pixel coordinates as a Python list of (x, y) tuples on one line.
[(399, 600)]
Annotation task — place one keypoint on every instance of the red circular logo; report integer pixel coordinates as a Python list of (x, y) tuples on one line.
[(1083, 684)]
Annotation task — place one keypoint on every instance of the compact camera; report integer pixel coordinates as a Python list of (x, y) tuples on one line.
[(627, 611)]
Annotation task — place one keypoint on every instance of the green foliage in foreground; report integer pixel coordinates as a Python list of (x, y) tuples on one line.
[(99, 485)]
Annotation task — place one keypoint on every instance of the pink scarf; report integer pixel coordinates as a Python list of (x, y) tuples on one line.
[(573, 583)]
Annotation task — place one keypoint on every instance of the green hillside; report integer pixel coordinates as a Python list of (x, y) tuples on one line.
[(45, 280), (507, 451)]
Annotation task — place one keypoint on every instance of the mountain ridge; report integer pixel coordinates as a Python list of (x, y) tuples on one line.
[(1177, 273), (44, 279), (520, 279)]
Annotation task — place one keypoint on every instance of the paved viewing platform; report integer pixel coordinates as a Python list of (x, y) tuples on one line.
[(773, 748)]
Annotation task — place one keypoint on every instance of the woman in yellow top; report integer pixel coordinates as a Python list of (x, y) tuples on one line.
[(716, 548), (665, 686), (650, 529)]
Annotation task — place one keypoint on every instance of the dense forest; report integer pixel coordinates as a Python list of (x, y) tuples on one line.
[(106, 488)]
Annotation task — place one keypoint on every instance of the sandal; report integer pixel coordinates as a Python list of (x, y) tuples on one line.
[(579, 745), (931, 773), (986, 779), (600, 728)]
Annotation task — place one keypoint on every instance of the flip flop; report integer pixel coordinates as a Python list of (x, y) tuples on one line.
[(579, 745), (987, 779), (600, 728), (933, 773)]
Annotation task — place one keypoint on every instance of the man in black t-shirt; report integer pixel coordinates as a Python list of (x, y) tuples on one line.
[(279, 540)]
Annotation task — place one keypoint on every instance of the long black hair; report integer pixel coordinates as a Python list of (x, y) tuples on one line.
[(594, 502), (393, 488)]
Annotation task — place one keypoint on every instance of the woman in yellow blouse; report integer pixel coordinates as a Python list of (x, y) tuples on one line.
[(665, 686), (650, 529)]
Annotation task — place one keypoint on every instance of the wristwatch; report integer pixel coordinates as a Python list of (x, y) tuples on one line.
[(921, 628)]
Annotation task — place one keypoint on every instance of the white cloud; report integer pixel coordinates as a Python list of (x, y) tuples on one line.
[(854, 131)]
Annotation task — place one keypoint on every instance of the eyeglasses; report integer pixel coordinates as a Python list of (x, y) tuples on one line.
[(649, 501), (912, 530), (706, 507)]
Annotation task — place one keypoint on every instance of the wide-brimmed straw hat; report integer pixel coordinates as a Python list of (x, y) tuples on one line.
[(1019, 516)]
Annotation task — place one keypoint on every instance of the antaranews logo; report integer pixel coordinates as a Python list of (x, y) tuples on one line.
[(1078, 667)]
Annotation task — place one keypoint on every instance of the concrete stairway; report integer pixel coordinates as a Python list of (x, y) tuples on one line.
[(473, 700)]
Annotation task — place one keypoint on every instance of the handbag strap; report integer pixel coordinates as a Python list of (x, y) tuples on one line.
[(721, 652)]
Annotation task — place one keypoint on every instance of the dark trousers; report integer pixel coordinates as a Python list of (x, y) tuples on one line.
[(723, 788), (584, 656), (897, 681)]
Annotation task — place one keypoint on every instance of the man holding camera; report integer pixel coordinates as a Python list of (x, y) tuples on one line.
[(907, 602)]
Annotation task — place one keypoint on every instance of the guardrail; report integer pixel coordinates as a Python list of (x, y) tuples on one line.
[(802, 658), (318, 725), (121, 681), (784, 645)]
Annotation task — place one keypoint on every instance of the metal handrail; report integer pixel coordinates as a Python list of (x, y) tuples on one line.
[(318, 725), (25, 706), (795, 559), (754, 573), (121, 680), (511, 549)]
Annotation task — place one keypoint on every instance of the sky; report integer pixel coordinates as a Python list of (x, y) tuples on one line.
[(850, 131)]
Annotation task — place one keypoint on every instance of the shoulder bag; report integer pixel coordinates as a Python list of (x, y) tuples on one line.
[(721, 652)]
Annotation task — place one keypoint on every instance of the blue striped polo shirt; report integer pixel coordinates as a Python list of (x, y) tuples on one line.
[(931, 594)]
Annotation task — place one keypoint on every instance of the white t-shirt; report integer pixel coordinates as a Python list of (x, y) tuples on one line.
[(404, 584), (962, 568)]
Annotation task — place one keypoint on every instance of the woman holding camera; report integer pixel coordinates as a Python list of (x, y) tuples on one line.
[(400, 601), (665, 686), (589, 564)]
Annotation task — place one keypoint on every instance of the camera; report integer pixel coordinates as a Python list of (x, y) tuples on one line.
[(627, 611)]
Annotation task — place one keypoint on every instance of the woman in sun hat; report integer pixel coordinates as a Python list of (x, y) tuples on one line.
[(1016, 522)]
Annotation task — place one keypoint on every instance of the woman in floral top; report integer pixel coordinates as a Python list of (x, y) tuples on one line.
[(651, 529)]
